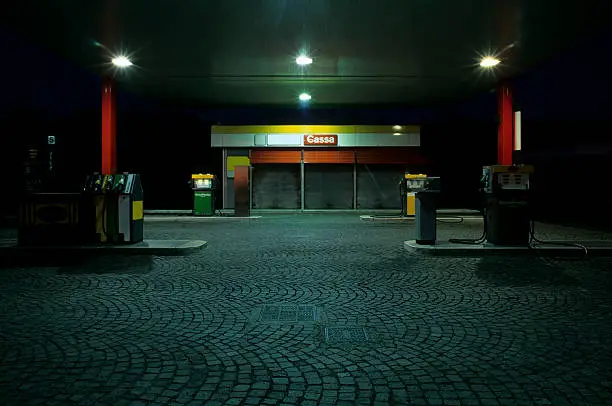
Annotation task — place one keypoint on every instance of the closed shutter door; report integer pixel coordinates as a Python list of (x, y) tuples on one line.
[(276, 156), (276, 186), (328, 186), (378, 186), (326, 156)]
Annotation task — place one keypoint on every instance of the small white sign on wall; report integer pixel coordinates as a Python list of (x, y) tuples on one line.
[(285, 139)]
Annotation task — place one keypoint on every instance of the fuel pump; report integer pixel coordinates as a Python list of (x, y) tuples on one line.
[(506, 204), (410, 186), (426, 191), (204, 187), (115, 209)]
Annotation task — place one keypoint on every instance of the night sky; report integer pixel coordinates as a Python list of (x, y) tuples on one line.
[(566, 107)]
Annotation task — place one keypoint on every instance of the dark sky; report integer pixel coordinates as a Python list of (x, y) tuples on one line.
[(573, 86), (36, 79)]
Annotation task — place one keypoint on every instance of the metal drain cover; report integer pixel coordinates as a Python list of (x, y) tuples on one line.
[(288, 313), (346, 335)]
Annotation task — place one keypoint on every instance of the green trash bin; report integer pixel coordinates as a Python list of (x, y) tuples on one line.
[(203, 186)]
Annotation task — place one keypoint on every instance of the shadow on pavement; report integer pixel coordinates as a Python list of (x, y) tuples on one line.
[(81, 264), (513, 271), (110, 264)]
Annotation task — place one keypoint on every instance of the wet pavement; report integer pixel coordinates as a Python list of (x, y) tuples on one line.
[(309, 309)]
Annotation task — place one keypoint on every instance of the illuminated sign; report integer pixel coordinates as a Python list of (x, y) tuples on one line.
[(320, 139)]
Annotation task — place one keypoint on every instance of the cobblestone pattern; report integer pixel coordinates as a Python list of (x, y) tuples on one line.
[(441, 331)]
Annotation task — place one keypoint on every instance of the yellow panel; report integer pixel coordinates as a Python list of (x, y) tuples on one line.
[(137, 210), (312, 129), (243, 129), (410, 204), (414, 176), (284, 129), (202, 176), (386, 129), (233, 161)]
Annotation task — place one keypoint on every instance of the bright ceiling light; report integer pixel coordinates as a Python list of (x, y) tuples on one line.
[(303, 60), (305, 97), (397, 128), (489, 62), (121, 62), (397, 133)]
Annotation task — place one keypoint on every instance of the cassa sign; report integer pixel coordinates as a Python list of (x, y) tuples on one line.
[(320, 139)]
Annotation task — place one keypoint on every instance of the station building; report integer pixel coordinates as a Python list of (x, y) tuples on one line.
[(319, 167)]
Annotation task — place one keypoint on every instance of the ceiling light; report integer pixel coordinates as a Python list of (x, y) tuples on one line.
[(305, 97), (397, 133), (121, 62), (489, 62), (397, 128), (303, 60)]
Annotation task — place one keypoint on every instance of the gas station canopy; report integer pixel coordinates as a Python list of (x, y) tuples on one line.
[(364, 52)]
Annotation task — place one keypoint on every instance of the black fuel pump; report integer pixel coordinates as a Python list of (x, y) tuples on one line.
[(506, 204)]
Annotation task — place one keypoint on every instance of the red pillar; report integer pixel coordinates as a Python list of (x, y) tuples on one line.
[(109, 127), (505, 132)]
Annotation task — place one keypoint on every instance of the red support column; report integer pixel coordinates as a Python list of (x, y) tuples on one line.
[(109, 127), (505, 132)]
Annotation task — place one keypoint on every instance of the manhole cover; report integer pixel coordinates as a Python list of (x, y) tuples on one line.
[(346, 335), (288, 313)]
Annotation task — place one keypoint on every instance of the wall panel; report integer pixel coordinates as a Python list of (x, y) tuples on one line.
[(329, 156), (276, 156)]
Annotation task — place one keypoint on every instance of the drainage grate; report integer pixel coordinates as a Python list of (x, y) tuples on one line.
[(345, 335), (288, 313)]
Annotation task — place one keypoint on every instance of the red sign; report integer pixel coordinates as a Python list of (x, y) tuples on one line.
[(320, 139)]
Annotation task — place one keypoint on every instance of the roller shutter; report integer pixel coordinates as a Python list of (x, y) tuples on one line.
[(328, 186), (276, 186), (378, 186)]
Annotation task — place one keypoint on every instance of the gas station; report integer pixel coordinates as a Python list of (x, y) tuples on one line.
[(301, 168), (290, 166), (367, 180)]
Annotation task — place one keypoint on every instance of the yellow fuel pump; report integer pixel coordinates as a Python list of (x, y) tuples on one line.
[(115, 208), (412, 183)]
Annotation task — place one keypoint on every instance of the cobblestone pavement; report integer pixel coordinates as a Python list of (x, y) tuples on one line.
[(308, 309)]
